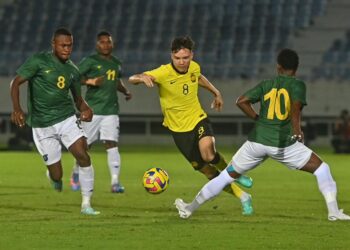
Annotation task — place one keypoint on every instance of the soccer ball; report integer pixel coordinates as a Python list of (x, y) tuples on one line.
[(155, 180)]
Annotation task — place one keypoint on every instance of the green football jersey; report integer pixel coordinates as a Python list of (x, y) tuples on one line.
[(102, 99), (274, 127), (49, 83)]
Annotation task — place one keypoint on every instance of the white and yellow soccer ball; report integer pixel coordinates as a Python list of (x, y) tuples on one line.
[(155, 180)]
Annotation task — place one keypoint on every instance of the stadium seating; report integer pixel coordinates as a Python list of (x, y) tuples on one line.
[(233, 37), (335, 62)]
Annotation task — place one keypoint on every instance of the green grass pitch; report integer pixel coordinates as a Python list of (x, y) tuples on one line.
[(289, 210)]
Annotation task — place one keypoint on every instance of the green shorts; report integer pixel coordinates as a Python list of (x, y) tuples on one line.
[(188, 142)]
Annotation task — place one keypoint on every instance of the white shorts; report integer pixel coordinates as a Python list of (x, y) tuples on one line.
[(251, 154), (102, 127), (48, 140)]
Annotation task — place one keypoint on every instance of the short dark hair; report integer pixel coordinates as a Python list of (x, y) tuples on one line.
[(61, 31), (183, 42), (288, 59), (103, 33)]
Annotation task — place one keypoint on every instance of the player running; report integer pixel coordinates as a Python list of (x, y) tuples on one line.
[(277, 134), (102, 75), (187, 122)]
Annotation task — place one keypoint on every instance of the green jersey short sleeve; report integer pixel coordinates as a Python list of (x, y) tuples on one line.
[(102, 99), (274, 126), (49, 83)]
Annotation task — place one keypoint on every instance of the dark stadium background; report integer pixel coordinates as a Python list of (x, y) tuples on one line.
[(236, 45)]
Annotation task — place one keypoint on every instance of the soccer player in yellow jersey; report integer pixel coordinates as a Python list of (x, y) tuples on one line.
[(178, 84)]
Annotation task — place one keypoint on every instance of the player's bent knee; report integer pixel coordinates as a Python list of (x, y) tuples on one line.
[(208, 157), (83, 160)]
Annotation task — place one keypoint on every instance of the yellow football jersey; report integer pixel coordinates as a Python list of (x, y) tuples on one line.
[(178, 95)]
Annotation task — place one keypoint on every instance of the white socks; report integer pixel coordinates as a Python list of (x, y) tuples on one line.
[(327, 186), (211, 189), (325, 181), (86, 178), (113, 158), (114, 162)]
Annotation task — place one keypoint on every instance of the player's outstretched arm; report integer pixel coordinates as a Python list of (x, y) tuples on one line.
[(246, 106), (218, 101), (17, 115), (121, 88), (97, 81), (142, 78)]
